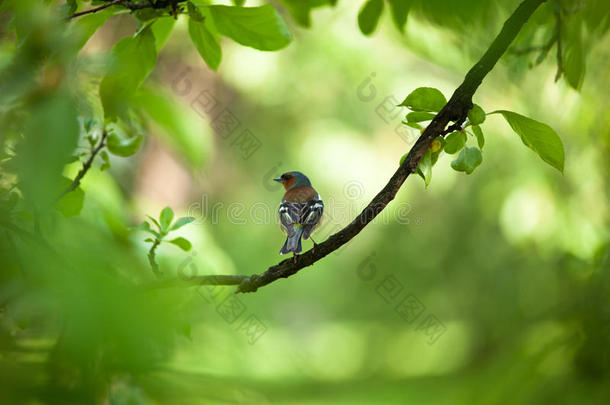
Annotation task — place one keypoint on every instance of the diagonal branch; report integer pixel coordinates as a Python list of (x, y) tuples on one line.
[(453, 114)]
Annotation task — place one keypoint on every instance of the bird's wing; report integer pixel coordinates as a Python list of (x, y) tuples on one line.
[(290, 214), (311, 215)]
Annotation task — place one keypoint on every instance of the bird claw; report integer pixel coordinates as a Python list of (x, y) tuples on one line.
[(313, 249)]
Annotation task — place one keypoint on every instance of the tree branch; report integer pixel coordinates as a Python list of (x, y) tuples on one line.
[(131, 6), (96, 9), (454, 111), (86, 166)]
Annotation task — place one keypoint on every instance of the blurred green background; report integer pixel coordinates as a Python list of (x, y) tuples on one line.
[(487, 288)]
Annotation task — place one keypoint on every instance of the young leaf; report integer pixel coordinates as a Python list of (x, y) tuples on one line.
[(257, 27), (537, 136), (181, 222), (123, 147), (133, 59), (476, 115), (167, 214), (83, 28), (162, 29), (419, 116), (413, 125), (369, 16), (454, 142), (144, 226), (105, 159), (71, 204), (73, 6), (154, 222), (206, 43), (574, 64), (467, 160), (425, 99), (182, 243), (402, 158), (479, 134), (424, 168), (400, 11)]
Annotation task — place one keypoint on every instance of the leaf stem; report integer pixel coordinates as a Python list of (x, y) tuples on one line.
[(151, 257)]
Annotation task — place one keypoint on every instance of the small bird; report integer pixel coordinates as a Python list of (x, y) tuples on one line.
[(300, 211)]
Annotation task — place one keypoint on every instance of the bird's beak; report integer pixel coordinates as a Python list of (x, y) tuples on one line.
[(279, 179)]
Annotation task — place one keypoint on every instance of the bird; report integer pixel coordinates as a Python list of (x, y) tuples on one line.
[(300, 211)]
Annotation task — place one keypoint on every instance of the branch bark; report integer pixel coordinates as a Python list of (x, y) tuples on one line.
[(451, 117), (131, 6)]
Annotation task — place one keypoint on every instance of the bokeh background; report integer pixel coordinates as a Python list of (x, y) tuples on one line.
[(484, 288)]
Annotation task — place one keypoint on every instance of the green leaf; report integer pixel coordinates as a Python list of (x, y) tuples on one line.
[(155, 222), (162, 29), (400, 11), (257, 27), (239, 3), (105, 159), (419, 116), (83, 28), (182, 243), (181, 222), (194, 12), (402, 159), (467, 160), (89, 124), (424, 168), (301, 10), (73, 6), (476, 115), (180, 128), (167, 214), (369, 16), (413, 125), (574, 64), (71, 204), (537, 136), (133, 59), (206, 43), (425, 99), (123, 146), (454, 142), (50, 136), (479, 134)]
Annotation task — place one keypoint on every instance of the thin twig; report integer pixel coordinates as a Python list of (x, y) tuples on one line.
[(131, 6), (86, 166), (96, 9)]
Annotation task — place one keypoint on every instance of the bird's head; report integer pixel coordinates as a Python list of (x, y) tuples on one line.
[(293, 179)]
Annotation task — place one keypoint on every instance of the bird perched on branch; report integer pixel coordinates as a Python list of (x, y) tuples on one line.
[(300, 211)]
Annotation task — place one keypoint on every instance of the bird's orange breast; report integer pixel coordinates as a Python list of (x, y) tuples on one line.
[(300, 194)]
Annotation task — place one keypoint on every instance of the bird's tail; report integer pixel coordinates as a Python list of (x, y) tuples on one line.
[(293, 243)]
